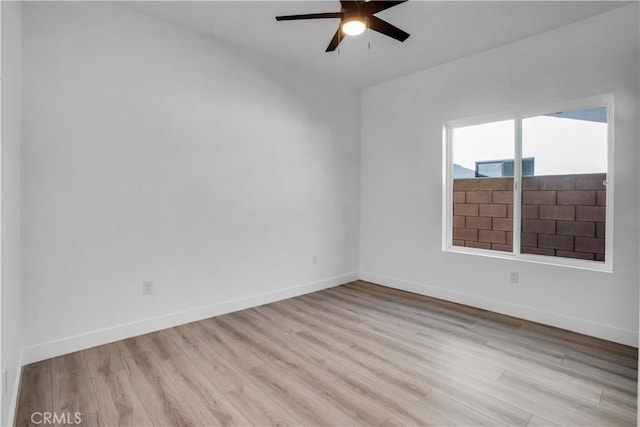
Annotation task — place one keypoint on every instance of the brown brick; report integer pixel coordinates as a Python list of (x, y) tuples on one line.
[(465, 184), (529, 182), (495, 183), (600, 257), (465, 234), (529, 239), (479, 222), (590, 244), (493, 210), (478, 196), (458, 197), (576, 228), (530, 211), (538, 251), (510, 237), (458, 243), (601, 199), (547, 226), (504, 224), (505, 197), (465, 209), (509, 211), (558, 212), (601, 229), (479, 245), (552, 241), (492, 236), (577, 255), (458, 221), (557, 182), (538, 197), (501, 247), (591, 181), (590, 213), (577, 197)]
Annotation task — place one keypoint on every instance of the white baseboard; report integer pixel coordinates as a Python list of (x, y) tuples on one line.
[(586, 327), (119, 332), (13, 407)]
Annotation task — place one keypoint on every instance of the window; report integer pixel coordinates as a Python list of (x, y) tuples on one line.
[(533, 187)]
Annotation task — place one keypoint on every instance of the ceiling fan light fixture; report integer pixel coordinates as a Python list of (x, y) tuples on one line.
[(356, 16), (354, 26)]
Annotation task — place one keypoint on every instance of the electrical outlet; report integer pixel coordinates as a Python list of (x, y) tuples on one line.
[(514, 277), (147, 288), (314, 260)]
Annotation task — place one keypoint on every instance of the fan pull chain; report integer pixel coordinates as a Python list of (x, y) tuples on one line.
[(368, 35)]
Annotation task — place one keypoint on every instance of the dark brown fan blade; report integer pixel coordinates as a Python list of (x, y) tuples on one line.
[(310, 16), (383, 27), (375, 6), (335, 41), (351, 5)]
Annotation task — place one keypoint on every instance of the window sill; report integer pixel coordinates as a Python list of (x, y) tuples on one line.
[(603, 267)]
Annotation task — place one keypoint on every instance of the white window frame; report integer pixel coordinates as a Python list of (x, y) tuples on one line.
[(517, 117)]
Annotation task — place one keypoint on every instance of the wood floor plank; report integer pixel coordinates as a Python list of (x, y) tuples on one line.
[(131, 346), (273, 318), (358, 354), (392, 422), (457, 412), (118, 400), (499, 335), (223, 374), (359, 411), (524, 400), (621, 357), (103, 360), (573, 337), (232, 350), (72, 388), (313, 303), (35, 393), (260, 408), (598, 414), (539, 422), (530, 365), (394, 381), (160, 398), (212, 405), (303, 403), (161, 345), (436, 352), (396, 313), (622, 403), (278, 347)]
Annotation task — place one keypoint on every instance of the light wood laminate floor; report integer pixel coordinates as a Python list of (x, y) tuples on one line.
[(358, 354)]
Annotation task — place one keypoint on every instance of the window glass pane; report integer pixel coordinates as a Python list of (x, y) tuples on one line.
[(489, 169), (564, 189), (483, 186)]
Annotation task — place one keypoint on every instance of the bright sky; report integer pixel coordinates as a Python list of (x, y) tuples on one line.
[(559, 145)]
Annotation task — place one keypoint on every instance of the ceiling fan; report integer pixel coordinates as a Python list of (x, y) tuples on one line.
[(355, 17)]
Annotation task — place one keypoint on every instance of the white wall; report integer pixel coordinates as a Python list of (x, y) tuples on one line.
[(154, 153), (401, 210), (10, 292)]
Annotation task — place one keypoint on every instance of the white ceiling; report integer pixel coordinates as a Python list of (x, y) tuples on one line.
[(440, 31)]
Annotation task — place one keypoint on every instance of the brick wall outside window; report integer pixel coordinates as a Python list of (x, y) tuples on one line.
[(562, 215)]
